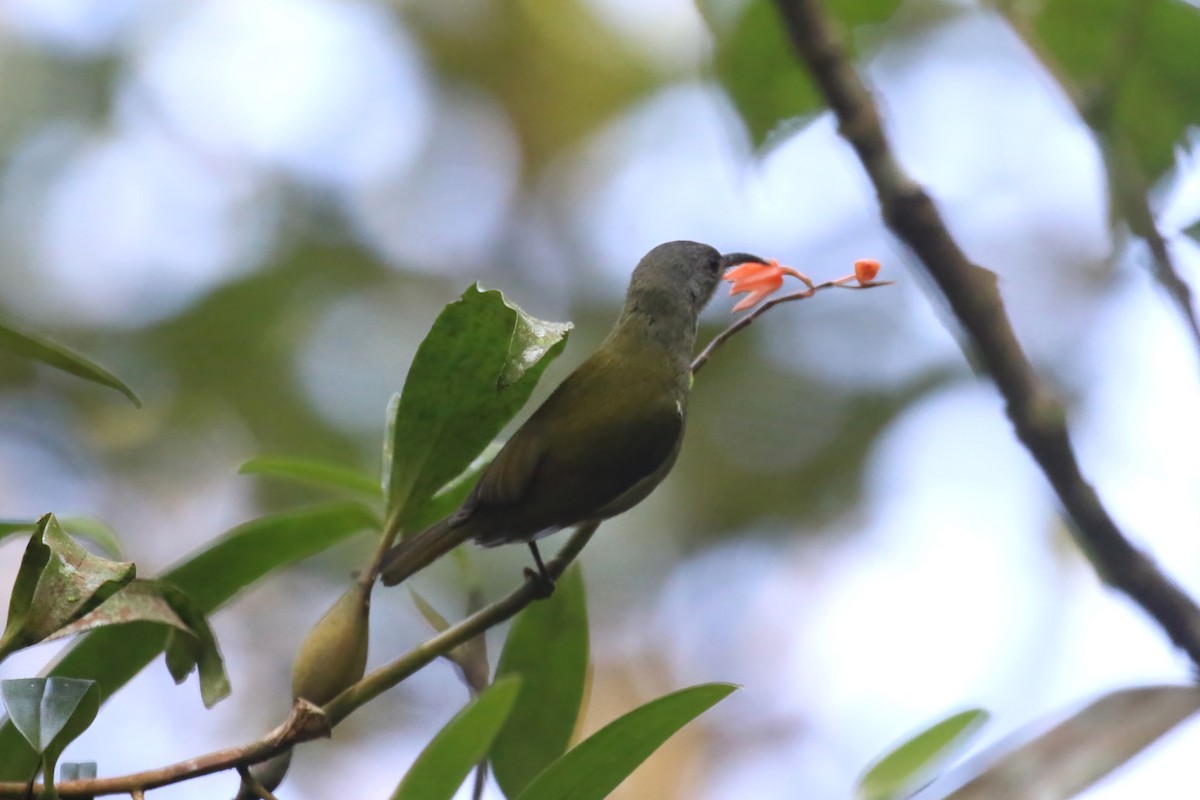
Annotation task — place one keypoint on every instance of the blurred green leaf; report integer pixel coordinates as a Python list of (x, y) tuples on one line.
[(758, 69), (95, 532), (448, 758), (88, 528), (58, 582), (77, 771), (431, 614), (50, 713), (320, 474), (11, 527), (597, 765), (59, 357), (757, 66), (1077, 753), (1135, 68), (906, 766), (113, 655), (471, 374), (1192, 230), (470, 657), (547, 647)]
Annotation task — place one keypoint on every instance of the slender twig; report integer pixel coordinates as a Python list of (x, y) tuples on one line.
[(387, 676), (745, 321), (971, 292)]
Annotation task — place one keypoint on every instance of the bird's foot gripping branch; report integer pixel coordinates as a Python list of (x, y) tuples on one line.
[(591, 451)]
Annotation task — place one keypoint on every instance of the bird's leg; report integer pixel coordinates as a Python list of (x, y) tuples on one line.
[(540, 579)]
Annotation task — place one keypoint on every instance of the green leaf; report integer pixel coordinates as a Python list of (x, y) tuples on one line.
[(11, 527), (908, 765), (757, 66), (113, 655), (448, 758), (95, 532), (88, 528), (758, 69), (1078, 752), (451, 496), (50, 713), (1139, 58), (597, 765), (471, 374), (59, 357), (58, 582), (190, 642), (548, 648), (320, 474)]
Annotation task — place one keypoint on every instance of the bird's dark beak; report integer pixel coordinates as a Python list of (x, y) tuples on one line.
[(729, 260)]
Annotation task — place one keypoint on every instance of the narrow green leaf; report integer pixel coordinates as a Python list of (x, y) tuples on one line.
[(88, 528), (431, 614), (59, 357), (113, 655), (11, 527), (1078, 752), (908, 765), (448, 758), (548, 648), (311, 472), (95, 532), (471, 374), (596, 766), (57, 583)]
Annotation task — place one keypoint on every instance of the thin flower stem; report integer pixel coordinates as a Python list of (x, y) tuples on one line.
[(758, 311)]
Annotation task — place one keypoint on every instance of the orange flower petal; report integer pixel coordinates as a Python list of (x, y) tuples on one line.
[(752, 299), (758, 280)]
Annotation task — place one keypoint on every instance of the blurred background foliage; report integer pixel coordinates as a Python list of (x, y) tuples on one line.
[(252, 210)]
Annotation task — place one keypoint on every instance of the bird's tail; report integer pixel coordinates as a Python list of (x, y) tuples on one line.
[(417, 552)]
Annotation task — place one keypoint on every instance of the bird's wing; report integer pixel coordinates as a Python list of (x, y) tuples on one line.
[(568, 484), (507, 479)]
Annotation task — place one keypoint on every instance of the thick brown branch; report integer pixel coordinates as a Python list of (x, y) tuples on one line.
[(972, 295)]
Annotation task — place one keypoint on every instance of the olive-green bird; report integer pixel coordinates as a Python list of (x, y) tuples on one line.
[(607, 435)]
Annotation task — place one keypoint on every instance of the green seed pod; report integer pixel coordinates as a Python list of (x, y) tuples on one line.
[(334, 654)]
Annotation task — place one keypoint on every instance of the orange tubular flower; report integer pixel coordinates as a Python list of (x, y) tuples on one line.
[(758, 281)]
